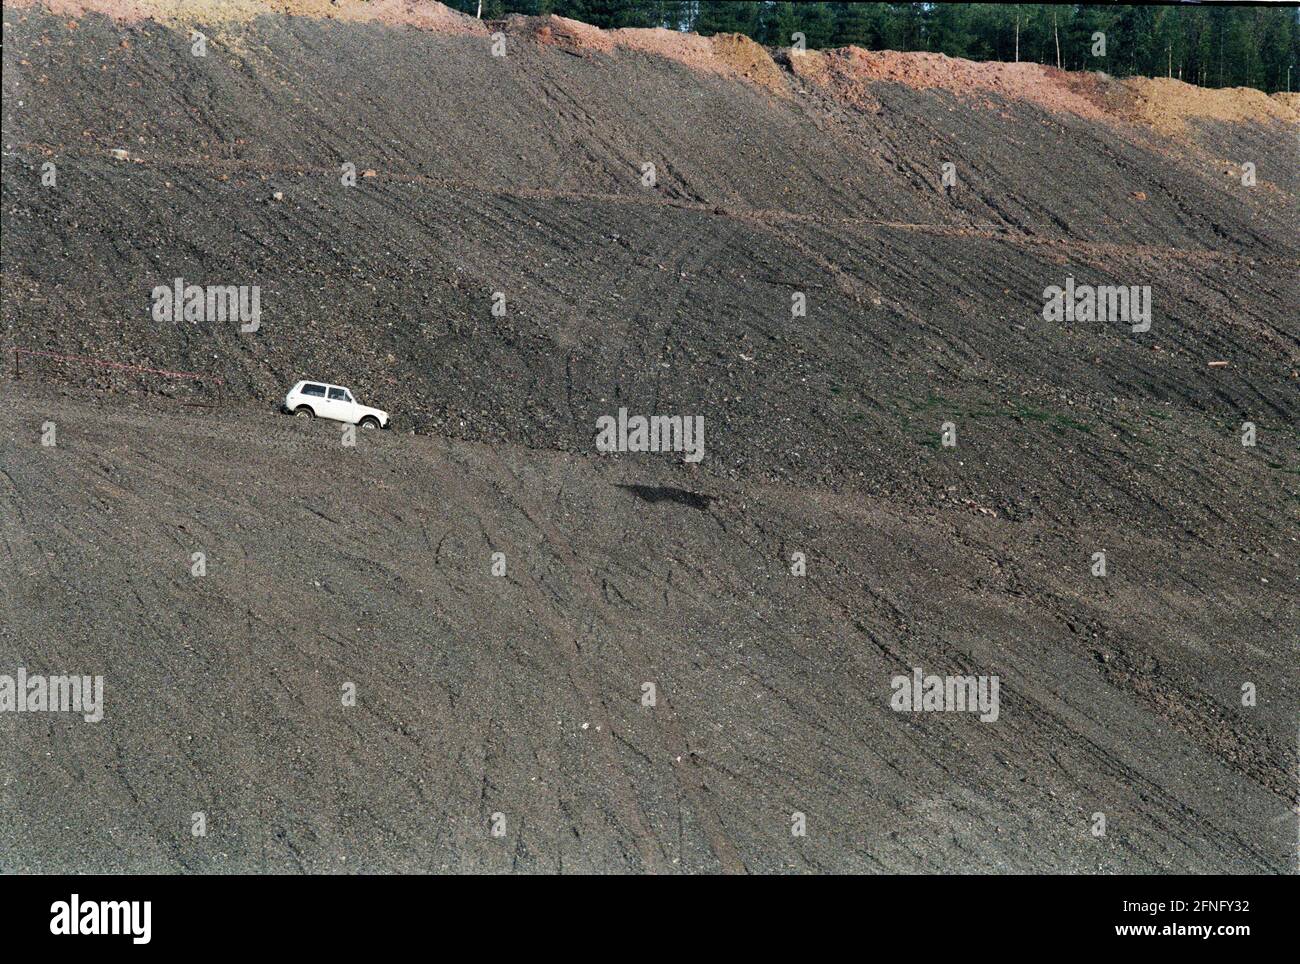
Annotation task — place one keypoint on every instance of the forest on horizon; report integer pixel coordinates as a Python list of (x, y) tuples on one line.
[(1212, 46)]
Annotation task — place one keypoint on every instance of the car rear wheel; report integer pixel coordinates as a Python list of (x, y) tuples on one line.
[(303, 411)]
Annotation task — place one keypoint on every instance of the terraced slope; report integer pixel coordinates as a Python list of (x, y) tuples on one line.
[(776, 174)]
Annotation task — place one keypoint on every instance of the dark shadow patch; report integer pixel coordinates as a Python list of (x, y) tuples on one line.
[(664, 493)]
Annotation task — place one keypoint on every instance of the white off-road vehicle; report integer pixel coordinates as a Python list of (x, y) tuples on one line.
[(321, 400)]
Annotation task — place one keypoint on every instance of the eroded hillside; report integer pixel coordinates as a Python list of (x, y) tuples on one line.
[(776, 175)]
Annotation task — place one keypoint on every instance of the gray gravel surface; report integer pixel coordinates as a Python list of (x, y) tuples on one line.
[(520, 695)]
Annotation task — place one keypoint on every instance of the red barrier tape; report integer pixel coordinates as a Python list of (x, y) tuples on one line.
[(110, 364)]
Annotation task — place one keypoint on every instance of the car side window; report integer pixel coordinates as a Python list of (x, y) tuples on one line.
[(317, 391), (339, 395)]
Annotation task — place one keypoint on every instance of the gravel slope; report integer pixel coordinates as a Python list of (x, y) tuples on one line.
[(521, 694)]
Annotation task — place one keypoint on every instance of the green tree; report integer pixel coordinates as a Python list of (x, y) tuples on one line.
[(1213, 46), (816, 22), (949, 29), (852, 24), (728, 16)]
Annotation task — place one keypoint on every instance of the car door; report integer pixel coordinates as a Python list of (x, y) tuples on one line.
[(341, 405)]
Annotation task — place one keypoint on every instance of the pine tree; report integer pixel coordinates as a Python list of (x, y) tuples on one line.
[(728, 16), (1216, 46), (852, 24)]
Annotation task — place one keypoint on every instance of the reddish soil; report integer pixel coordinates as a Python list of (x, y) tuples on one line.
[(848, 73), (850, 68), (425, 14)]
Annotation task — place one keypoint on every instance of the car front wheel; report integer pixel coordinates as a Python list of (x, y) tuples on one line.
[(303, 411), (370, 422)]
